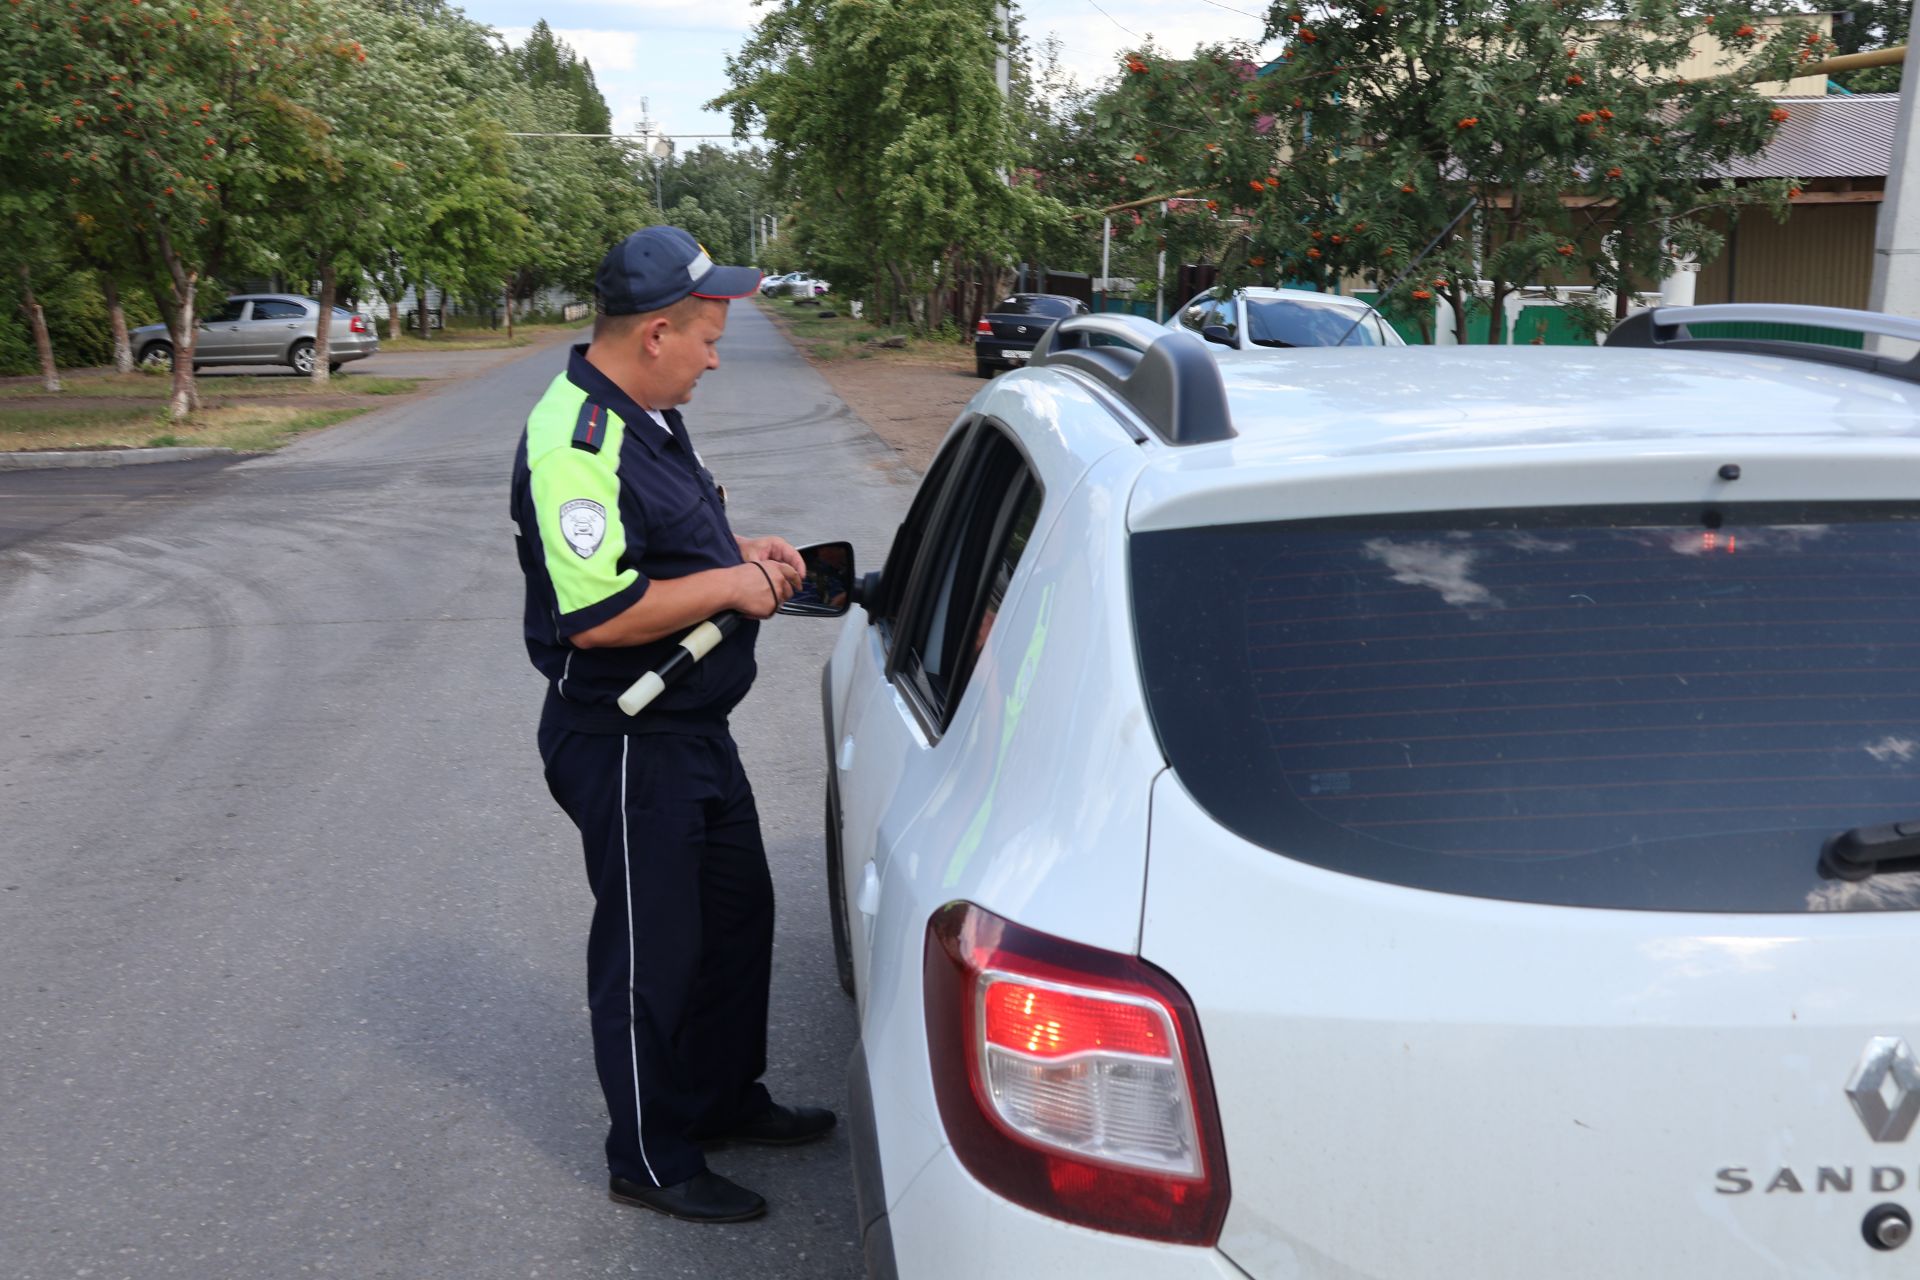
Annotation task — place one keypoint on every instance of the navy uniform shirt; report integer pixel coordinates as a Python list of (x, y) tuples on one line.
[(606, 501)]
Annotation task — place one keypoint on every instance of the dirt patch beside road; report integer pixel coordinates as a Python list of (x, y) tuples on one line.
[(909, 396)]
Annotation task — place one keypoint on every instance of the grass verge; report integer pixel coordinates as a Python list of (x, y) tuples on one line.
[(250, 428), (140, 386), (842, 337), (524, 335)]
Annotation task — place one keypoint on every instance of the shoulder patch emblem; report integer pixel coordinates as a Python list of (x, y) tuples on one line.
[(583, 522)]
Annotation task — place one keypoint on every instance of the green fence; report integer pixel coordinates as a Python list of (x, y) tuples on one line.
[(1782, 333)]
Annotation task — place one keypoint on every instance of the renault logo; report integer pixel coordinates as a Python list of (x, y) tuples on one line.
[(1888, 1114)]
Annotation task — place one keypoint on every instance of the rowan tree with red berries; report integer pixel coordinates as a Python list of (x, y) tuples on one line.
[(156, 119), (1565, 129)]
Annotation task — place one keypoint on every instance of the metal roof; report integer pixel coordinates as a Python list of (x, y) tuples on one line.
[(1841, 136)]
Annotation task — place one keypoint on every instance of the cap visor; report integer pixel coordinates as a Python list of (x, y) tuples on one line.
[(728, 282)]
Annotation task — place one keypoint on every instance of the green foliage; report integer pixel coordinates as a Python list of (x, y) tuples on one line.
[(730, 188), (77, 322), (895, 145), (1861, 25), (178, 143), (1565, 128)]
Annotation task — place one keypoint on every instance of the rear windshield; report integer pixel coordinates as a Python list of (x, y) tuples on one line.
[(1652, 708), (1055, 307)]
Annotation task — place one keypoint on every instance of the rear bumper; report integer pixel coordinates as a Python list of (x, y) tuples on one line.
[(1002, 351), (947, 1224)]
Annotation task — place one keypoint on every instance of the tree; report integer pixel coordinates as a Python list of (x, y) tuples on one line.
[(578, 196), (896, 147), (158, 119), (730, 188), (1567, 129), (1863, 25)]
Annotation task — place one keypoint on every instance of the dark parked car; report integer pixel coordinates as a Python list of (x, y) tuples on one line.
[(263, 328), (1006, 334)]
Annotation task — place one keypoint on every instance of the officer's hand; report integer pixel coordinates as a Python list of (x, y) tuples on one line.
[(774, 549), (764, 585)]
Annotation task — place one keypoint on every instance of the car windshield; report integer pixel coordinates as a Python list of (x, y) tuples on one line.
[(1031, 306), (1288, 322), (1653, 708)]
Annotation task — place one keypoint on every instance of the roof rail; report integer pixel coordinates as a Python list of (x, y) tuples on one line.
[(1164, 375), (1668, 327)]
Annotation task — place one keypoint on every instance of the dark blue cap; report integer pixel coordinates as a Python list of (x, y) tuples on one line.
[(655, 267)]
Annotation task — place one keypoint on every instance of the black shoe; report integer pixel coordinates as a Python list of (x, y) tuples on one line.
[(705, 1197), (780, 1126)]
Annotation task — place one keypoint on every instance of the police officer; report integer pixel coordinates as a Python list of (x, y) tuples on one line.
[(625, 546)]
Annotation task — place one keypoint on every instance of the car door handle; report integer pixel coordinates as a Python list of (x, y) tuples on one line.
[(869, 891)]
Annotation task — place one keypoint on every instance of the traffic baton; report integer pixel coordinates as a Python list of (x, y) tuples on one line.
[(694, 645)]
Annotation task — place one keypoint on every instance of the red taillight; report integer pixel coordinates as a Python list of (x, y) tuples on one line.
[(983, 326), (358, 324), (1044, 1022), (1073, 1080)]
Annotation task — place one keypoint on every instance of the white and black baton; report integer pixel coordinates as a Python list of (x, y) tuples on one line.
[(827, 590), (694, 645)]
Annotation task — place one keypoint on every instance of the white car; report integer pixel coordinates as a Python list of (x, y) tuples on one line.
[(771, 284), (1257, 317), (1425, 814)]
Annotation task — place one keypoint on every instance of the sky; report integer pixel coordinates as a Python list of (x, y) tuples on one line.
[(672, 53)]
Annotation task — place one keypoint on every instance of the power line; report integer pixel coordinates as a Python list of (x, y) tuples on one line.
[(1115, 21), (1230, 9)]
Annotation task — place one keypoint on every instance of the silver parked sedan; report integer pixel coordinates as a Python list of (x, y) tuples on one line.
[(263, 328)]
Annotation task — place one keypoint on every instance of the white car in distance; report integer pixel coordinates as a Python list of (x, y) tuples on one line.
[(1252, 317), (1418, 813)]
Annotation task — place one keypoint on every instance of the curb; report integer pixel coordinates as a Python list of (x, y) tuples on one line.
[(52, 459)]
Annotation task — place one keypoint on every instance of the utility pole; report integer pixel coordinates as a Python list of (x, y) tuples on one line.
[(1896, 240)]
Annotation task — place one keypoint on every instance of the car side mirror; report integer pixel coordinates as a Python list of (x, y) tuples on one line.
[(829, 588), (1218, 333)]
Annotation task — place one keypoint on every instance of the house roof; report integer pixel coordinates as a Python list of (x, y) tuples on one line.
[(1841, 136)]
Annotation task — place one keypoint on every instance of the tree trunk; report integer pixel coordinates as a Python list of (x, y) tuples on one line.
[(37, 319), (420, 309), (185, 397), (393, 315), (1497, 321), (509, 284), (323, 329), (117, 319)]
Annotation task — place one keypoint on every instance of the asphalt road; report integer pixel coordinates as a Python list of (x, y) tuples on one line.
[(291, 935)]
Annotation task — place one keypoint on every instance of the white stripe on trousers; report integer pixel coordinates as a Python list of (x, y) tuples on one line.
[(633, 1041)]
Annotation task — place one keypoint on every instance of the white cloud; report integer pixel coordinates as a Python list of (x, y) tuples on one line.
[(604, 50), (703, 15), (1091, 41)]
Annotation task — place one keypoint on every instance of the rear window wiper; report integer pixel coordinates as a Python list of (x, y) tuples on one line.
[(1869, 851)]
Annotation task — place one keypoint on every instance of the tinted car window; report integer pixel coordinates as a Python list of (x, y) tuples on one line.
[(894, 578), (226, 313), (1208, 310), (1033, 306), (274, 309), (1285, 323), (1657, 708), (972, 556)]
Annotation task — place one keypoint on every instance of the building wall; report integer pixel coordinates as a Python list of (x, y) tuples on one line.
[(1709, 60), (1821, 255)]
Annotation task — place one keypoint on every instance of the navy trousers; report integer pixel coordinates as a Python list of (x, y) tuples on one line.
[(681, 947)]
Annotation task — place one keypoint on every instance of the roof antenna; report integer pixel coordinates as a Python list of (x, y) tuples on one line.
[(1418, 258)]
